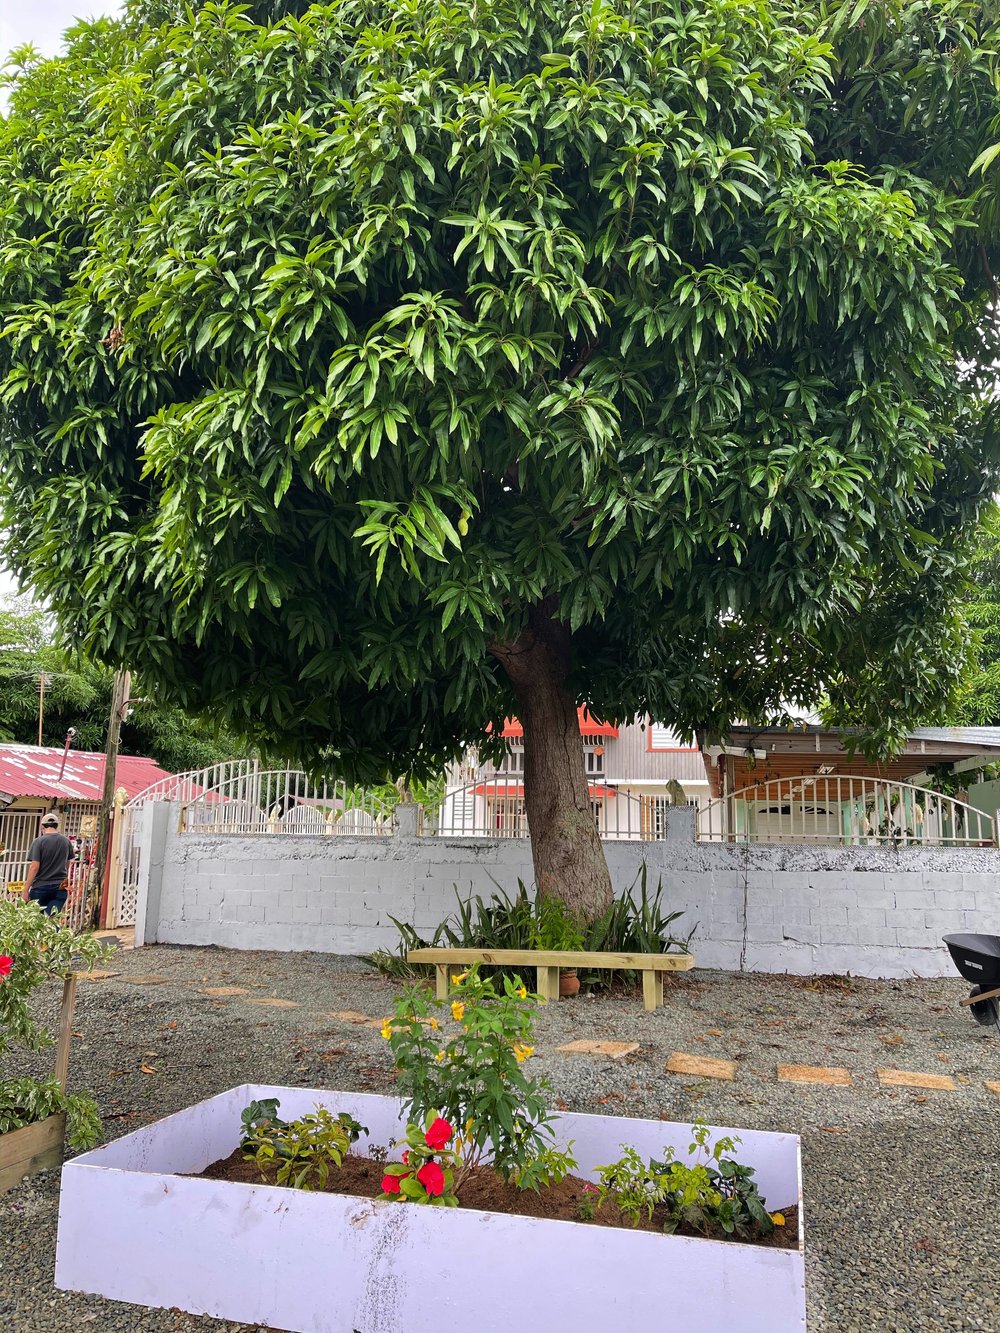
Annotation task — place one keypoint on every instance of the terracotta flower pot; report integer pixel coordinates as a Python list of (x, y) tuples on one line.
[(569, 982)]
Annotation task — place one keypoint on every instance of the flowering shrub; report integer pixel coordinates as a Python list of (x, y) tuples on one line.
[(35, 949), (474, 1078), (428, 1169)]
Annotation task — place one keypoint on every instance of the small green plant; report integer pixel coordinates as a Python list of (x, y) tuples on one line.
[(714, 1196), (475, 1076), (298, 1152), (35, 949), (553, 926), (378, 1152)]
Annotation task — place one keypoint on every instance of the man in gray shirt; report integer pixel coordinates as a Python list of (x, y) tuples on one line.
[(49, 857)]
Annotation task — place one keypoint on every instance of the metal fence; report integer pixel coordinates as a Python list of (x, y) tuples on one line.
[(834, 810), (284, 801), (494, 808), (18, 829)]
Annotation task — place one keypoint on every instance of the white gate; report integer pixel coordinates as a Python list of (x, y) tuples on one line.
[(18, 830)]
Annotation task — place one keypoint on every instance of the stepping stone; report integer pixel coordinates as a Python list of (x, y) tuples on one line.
[(829, 1077), (224, 990), (95, 976), (272, 1001), (701, 1066), (905, 1078), (614, 1050), (352, 1016), (993, 1087), (148, 981)]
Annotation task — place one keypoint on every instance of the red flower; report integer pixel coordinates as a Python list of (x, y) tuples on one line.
[(406, 1159), (6, 963), (431, 1176), (438, 1134), (391, 1184)]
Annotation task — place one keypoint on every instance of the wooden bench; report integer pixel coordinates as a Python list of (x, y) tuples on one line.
[(548, 962)]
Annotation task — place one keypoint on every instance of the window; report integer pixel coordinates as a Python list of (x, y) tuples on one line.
[(514, 763), (593, 762)]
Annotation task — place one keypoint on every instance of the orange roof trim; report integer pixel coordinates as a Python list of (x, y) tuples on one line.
[(589, 726)]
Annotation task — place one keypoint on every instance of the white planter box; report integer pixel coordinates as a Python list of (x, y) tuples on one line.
[(132, 1230)]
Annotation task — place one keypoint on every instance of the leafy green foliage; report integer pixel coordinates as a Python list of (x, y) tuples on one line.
[(297, 1153), (475, 1078), (632, 924), (336, 339), (26, 1101), (77, 694), (978, 703), (40, 951), (714, 1196)]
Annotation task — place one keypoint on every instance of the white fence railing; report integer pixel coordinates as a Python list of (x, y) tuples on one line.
[(493, 807), (833, 810), (285, 800)]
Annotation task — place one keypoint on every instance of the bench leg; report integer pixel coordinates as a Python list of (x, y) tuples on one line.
[(441, 980), (652, 990), (547, 983)]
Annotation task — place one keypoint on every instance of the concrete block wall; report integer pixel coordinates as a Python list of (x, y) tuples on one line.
[(869, 911)]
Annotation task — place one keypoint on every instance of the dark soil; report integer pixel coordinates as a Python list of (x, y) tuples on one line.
[(484, 1189)]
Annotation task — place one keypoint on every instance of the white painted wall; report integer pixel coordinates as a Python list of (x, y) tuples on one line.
[(868, 911)]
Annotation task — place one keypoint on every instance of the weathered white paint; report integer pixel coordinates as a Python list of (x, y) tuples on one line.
[(131, 1230), (870, 911)]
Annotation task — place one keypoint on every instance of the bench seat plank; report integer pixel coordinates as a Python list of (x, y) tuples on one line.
[(547, 963), (636, 962)]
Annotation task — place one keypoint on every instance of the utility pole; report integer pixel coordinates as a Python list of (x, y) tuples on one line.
[(41, 703), (119, 704)]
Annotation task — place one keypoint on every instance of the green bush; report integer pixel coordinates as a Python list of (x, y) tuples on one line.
[(637, 922), (35, 949)]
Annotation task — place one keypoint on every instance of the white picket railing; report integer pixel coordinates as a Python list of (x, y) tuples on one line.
[(835, 810), (284, 801), (493, 807)]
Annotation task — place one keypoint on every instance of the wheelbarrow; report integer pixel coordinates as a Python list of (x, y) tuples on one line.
[(977, 958)]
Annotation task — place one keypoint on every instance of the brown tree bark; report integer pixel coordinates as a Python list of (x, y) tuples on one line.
[(567, 855)]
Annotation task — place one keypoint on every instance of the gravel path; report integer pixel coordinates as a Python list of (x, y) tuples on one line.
[(901, 1185)]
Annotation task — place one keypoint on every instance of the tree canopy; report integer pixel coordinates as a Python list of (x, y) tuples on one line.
[(344, 350), (77, 694)]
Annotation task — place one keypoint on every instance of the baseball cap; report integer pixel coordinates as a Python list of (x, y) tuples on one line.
[(50, 821)]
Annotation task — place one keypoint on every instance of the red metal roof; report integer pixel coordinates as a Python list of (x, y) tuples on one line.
[(33, 770), (588, 726)]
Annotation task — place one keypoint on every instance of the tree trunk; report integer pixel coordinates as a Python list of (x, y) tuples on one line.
[(568, 858)]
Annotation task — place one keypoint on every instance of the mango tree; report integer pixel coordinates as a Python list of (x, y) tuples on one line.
[(373, 371)]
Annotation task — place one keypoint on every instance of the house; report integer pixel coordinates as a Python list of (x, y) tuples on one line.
[(803, 783), (37, 779), (635, 771), (798, 783)]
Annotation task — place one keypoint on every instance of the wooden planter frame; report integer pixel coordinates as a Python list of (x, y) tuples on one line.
[(39, 1146)]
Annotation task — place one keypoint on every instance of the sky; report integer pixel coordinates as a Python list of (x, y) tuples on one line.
[(42, 23)]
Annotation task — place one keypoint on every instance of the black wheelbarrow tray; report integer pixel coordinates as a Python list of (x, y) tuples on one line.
[(977, 958)]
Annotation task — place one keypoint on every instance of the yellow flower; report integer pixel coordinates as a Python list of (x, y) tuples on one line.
[(778, 1219), (386, 1030), (522, 1052), (458, 977), (439, 1057), (457, 1010), (435, 1024), (521, 993)]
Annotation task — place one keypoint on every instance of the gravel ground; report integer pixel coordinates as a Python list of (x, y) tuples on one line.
[(901, 1186)]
